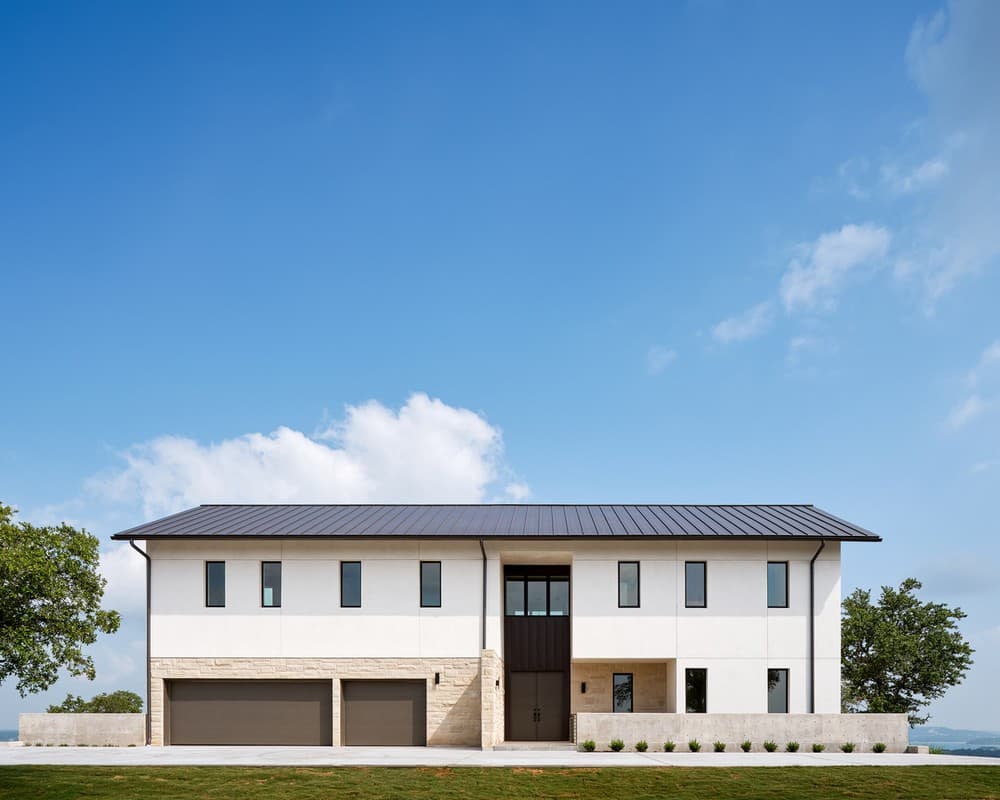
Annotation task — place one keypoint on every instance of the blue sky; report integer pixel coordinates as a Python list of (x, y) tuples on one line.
[(560, 252)]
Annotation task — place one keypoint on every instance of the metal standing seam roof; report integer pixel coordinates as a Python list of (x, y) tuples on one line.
[(502, 521)]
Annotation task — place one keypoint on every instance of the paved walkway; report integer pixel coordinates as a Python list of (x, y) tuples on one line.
[(447, 757)]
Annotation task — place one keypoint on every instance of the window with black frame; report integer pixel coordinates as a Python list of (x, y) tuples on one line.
[(535, 593), (696, 690), (777, 691), (622, 692)]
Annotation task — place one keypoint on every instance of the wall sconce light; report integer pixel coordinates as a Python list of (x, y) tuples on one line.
[(583, 688), (437, 678), (498, 683)]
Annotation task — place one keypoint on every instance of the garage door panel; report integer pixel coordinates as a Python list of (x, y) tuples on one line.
[(250, 712), (384, 712)]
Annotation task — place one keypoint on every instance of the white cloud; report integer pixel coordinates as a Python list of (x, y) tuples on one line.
[(920, 177), (983, 466), (822, 266), (517, 491), (954, 60), (659, 358), (750, 323), (428, 451), (125, 571), (802, 349), (966, 411)]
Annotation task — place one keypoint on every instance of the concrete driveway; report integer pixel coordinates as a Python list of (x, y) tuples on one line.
[(447, 757)]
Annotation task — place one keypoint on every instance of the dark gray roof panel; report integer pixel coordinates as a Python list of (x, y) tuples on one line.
[(503, 521)]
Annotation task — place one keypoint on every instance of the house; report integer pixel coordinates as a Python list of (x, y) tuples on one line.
[(483, 624)]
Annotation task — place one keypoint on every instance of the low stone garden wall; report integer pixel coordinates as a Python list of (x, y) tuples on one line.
[(82, 730), (831, 730)]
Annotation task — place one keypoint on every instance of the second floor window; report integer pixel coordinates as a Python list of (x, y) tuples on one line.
[(536, 591), (695, 585), (215, 584), (350, 584), (777, 584), (430, 584), (270, 584), (628, 584)]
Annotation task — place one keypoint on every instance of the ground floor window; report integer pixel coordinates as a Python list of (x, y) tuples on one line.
[(696, 690), (777, 691), (623, 692)]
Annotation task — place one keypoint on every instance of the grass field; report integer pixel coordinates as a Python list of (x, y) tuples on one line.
[(274, 783)]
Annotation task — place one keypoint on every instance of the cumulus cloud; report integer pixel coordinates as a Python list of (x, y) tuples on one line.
[(907, 181), (427, 451), (821, 267), (966, 411), (658, 358), (750, 323)]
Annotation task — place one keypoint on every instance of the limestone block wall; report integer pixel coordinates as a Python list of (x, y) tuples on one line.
[(492, 693), (649, 686), (75, 730), (454, 708), (831, 730)]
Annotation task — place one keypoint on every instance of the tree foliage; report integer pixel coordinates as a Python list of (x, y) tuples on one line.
[(900, 653), (120, 702), (50, 602)]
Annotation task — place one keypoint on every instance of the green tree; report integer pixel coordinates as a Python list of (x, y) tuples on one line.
[(900, 653), (120, 702), (50, 602)]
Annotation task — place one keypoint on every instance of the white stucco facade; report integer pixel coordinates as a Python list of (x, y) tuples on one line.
[(736, 637)]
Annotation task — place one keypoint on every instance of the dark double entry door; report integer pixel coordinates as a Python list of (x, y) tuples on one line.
[(536, 703)]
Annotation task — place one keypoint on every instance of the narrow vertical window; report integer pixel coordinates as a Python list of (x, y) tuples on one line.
[(558, 598), (696, 690), (350, 584), (628, 584), (695, 585), (622, 692), (514, 601), (430, 584), (777, 691), (537, 597), (777, 584), (215, 584), (270, 584)]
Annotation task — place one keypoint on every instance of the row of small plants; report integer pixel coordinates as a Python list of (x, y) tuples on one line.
[(617, 745)]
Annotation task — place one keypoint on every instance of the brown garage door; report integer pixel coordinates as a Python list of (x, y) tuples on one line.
[(249, 712), (384, 712)]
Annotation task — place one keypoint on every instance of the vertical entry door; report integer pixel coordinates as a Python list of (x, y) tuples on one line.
[(538, 706)]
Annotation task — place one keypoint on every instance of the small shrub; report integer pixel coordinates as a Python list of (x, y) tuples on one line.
[(792, 747), (668, 747), (746, 745), (589, 746), (819, 748), (878, 747), (617, 745), (847, 747), (770, 746), (719, 747), (694, 746), (936, 751), (641, 746)]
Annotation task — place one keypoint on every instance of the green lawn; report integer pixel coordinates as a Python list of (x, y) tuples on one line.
[(304, 783)]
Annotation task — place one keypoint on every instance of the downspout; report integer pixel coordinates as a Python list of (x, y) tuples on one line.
[(812, 628), (149, 676), (483, 550)]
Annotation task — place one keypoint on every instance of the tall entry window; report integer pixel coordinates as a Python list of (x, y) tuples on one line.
[(777, 584), (777, 691), (696, 690), (628, 584), (695, 585), (622, 692), (215, 584), (430, 584), (536, 591), (270, 584)]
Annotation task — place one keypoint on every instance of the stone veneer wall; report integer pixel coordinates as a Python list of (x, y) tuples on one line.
[(831, 730), (649, 686), (454, 710), (493, 700)]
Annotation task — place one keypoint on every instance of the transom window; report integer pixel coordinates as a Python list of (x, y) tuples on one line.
[(536, 591)]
